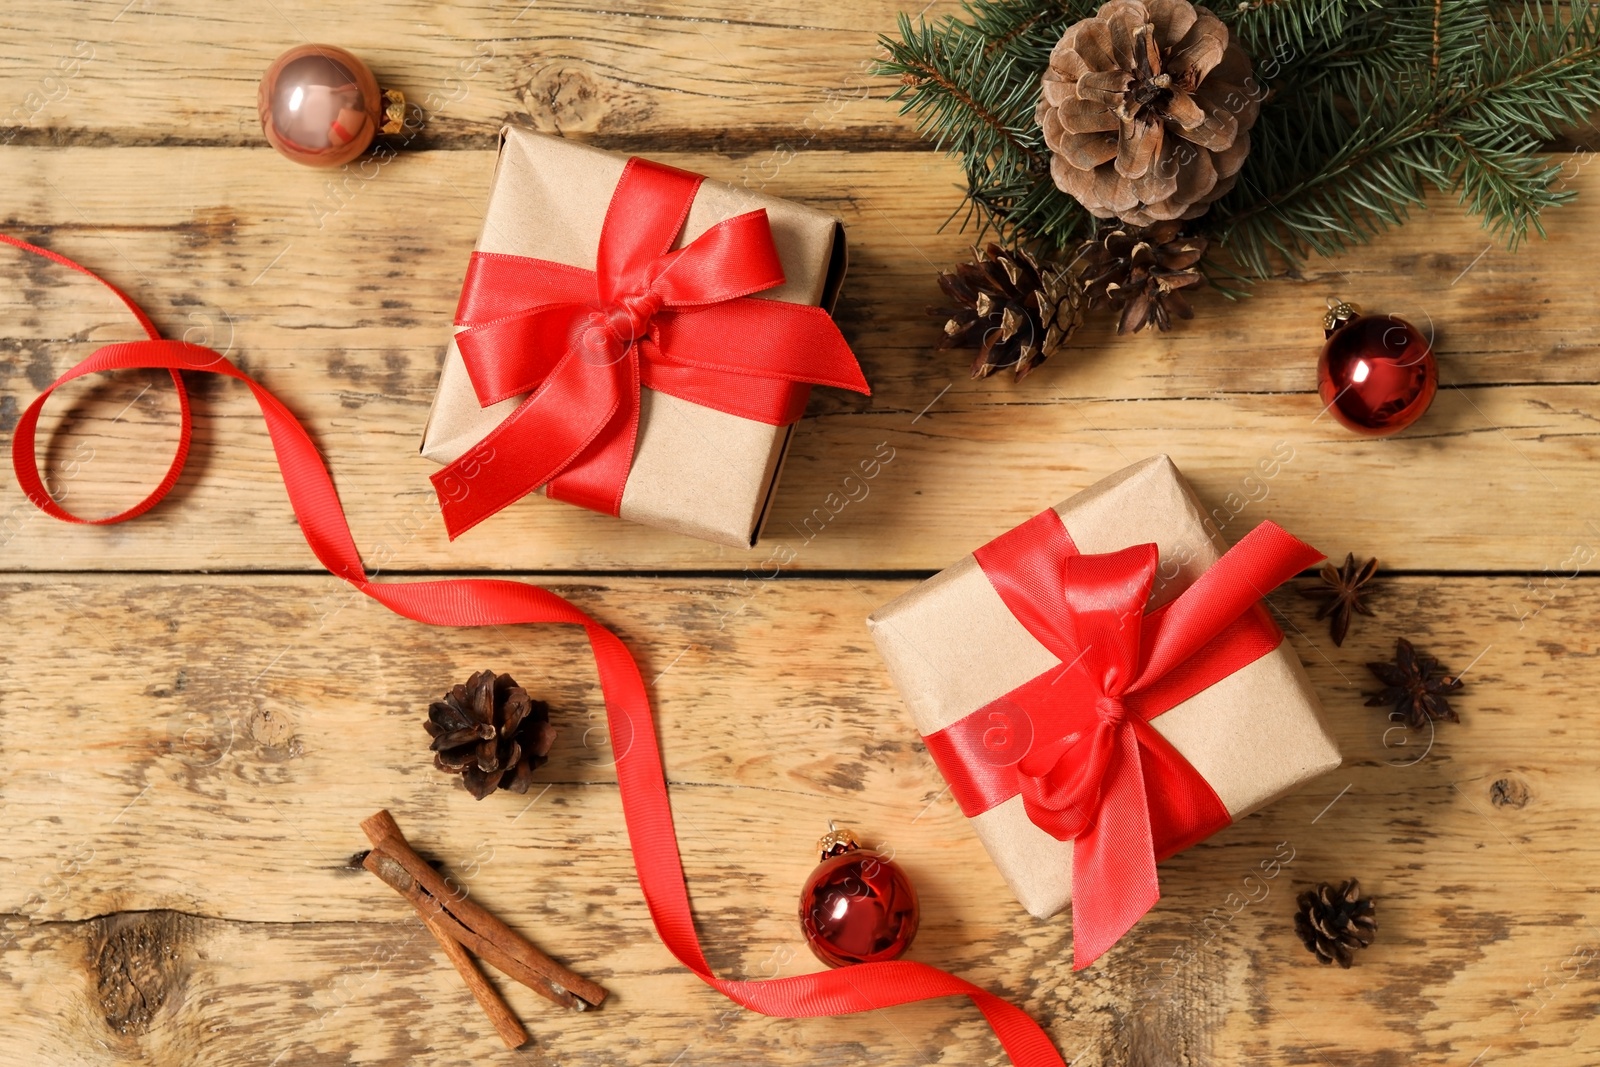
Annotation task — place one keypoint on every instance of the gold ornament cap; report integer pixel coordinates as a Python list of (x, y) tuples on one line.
[(394, 112), (837, 841), (1339, 313)]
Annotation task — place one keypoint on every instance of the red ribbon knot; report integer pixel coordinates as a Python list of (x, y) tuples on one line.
[(629, 318), (1112, 711), (581, 344), (1076, 743), (1061, 783)]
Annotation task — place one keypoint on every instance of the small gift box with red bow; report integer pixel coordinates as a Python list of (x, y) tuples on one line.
[(634, 339), (1102, 688)]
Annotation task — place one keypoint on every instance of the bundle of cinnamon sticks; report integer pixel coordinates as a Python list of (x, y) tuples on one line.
[(461, 926)]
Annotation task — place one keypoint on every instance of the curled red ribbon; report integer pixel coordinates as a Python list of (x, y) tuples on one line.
[(1076, 742), (582, 343), (497, 602)]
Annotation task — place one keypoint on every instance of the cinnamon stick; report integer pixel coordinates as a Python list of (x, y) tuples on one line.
[(390, 871), (495, 937), (488, 998)]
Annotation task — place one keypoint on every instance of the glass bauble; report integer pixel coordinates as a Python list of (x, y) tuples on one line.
[(857, 906), (319, 105), (1377, 374)]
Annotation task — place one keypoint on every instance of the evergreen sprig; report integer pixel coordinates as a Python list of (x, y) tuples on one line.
[(972, 86), (1367, 106)]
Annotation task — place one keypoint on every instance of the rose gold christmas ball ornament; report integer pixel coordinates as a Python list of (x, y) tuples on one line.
[(321, 106)]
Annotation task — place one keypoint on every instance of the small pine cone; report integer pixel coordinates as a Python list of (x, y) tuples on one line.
[(1334, 923), (491, 732), (1143, 272), (1016, 312)]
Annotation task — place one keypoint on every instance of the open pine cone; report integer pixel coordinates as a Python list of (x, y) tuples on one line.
[(1335, 922), (1143, 272), (1014, 310), (491, 732), (1146, 108)]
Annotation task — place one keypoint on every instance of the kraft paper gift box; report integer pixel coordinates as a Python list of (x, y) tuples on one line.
[(952, 647), (695, 470)]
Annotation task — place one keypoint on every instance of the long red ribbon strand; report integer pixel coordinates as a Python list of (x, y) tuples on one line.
[(496, 602)]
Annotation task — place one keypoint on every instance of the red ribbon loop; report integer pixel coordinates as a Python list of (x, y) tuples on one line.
[(582, 344), (1094, 771), (641, 783)]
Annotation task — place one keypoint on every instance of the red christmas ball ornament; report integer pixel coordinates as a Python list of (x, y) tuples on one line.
[(321, 106), (1377, 373), (857, 907)]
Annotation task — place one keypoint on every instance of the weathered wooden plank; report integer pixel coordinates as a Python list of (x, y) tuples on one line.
[(379, 992), (886, 490), (209, 745), (157, 988), (277, 260), (777, 73), (344, 322)]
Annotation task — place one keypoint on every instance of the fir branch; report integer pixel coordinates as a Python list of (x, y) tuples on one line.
[(1369, 104), (1471, 125), (927, 76), (1029, 24), (973, 87), (1286, 31), (972, 118), (1508, 189), (1438, 11)]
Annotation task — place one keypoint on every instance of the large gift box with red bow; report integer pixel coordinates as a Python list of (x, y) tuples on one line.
[(1102, 688), (634, 339)]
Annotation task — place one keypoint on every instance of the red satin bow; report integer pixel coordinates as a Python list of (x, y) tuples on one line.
[(583, 342), (496, 602), (1076, 742)]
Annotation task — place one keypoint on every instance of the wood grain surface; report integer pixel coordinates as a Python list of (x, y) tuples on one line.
[(194, 719), (215, 809), (347, 320)]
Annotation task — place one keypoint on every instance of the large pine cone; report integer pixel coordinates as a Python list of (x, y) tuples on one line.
[(1014, 310), (1146, 108), (491, 732)]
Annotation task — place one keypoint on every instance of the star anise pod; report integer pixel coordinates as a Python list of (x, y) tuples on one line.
[(1343, 588), (1416, 685)]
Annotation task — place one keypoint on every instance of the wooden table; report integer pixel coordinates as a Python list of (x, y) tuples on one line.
[(194, 717)]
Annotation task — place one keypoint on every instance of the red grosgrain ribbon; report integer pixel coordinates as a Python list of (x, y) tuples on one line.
[(495, 602), (582, 343), (1076, 742)]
